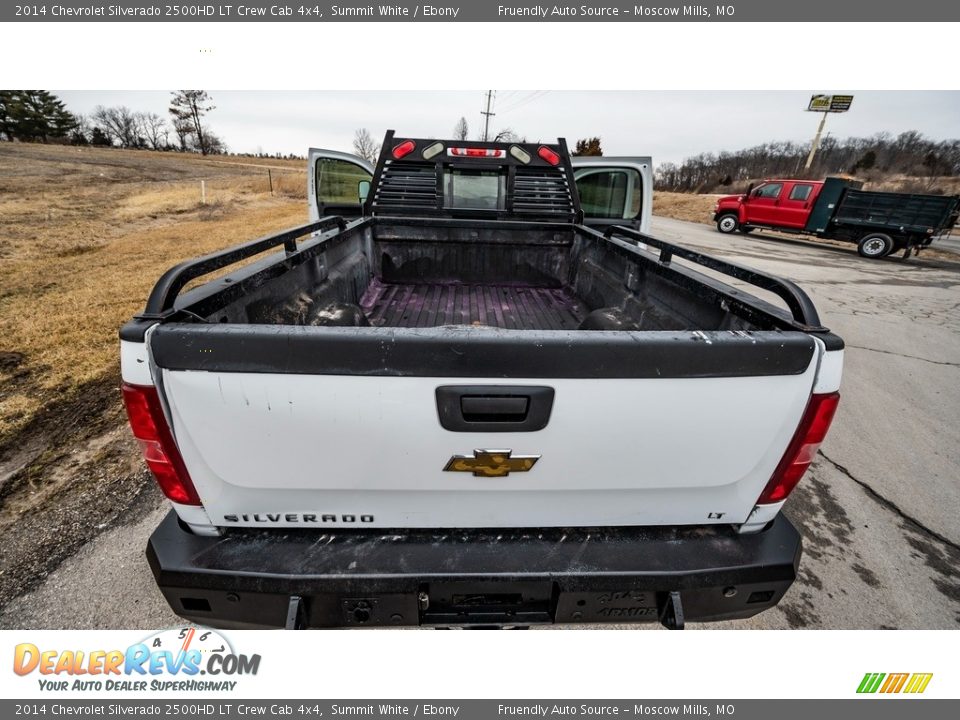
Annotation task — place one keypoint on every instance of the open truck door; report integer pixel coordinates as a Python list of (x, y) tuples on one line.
[(615, 190), (334, 183)]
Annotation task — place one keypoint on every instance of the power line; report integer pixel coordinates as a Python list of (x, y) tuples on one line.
[(519, 101), (532, 97)]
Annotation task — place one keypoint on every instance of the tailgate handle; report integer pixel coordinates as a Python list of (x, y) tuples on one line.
[(494, 408)]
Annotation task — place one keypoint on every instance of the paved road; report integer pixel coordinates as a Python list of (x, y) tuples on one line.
[(951, 242), (879, 510)]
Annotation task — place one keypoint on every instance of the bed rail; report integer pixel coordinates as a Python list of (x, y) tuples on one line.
[(160, 304)]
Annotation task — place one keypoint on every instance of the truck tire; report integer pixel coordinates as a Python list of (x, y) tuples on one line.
[(727, 223), (875, 245)]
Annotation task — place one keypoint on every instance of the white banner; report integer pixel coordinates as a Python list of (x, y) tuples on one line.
[(187, 661)]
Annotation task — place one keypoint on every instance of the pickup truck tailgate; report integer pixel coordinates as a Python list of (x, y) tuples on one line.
[(651, 441)]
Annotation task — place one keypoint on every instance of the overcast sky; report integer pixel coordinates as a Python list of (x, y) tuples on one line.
[(667, 125)]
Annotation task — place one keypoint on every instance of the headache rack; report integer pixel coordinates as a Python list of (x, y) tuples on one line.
[(519, 181)]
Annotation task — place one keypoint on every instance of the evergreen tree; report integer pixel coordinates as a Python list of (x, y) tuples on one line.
[(588, 146), (32, 115)]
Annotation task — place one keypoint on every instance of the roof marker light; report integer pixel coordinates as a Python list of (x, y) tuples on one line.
[(548, 155), (432, 151), (403, 149), (520, 154)]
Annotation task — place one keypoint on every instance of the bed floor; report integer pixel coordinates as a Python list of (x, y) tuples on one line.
[(503, 306)]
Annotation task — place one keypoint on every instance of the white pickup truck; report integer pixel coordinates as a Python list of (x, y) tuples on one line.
[(474, 391)]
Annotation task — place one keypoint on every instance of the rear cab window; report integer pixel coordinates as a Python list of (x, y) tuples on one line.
[(474, 189)]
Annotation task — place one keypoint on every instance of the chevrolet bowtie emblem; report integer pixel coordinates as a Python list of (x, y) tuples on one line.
[(491, 463)]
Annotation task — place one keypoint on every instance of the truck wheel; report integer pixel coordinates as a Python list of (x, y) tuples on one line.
[(727, 224), (875, 245)]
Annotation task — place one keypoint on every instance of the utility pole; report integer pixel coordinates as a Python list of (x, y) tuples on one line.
[(816, 142), (487, 115)]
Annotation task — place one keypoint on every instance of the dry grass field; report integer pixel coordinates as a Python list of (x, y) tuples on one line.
[(84, 235), (684, 206)]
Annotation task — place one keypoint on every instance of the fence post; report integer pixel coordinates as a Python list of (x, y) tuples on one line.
[(270, 179), (203, 192)]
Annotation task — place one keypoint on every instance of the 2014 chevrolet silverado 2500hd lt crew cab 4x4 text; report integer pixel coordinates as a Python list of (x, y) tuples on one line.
[(482, 395), (879, 223)]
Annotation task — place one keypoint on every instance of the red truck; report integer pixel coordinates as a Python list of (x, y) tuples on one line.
[(878, 222)]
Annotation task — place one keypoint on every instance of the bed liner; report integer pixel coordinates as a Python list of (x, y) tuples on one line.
[(511, 307)]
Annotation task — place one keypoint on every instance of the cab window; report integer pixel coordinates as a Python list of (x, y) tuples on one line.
[(474, 189), (338, 180), (770, 190), (610, 193), (801, 192)]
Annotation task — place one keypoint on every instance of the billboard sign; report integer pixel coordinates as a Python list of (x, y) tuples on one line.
[(830, 103)]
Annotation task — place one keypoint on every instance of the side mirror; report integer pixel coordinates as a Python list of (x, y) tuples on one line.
[(363, 189), (746, 195)]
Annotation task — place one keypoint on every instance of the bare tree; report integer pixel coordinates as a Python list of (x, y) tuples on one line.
[(154, 129), (215, 145), (183, 129), (506, 135), (83, 131), (461, 131), (875, 158), (120, 124), (191, 106), (364, 145)]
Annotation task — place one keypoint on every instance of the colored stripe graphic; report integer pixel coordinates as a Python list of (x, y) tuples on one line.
[(918, 682), (894, 683), (870, 682)]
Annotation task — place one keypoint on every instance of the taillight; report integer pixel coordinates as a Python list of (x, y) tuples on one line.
[(548, 155), (403, 149), (802, 448), (150, 428)]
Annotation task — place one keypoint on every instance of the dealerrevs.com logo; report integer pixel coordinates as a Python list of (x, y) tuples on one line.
[(173, 659), (889, 683)]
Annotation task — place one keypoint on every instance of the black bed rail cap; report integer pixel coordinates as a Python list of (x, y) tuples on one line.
[(160, 304)]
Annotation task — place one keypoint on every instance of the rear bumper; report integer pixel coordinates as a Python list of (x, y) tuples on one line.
[(255, 579)]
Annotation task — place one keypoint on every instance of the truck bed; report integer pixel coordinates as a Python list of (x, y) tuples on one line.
[(512, 307)]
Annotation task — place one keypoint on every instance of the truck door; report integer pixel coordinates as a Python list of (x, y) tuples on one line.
[(333, 183), (795, 206), (763, 205), (615, 190)]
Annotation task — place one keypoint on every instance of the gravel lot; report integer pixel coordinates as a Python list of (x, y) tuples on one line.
[(878, 511)]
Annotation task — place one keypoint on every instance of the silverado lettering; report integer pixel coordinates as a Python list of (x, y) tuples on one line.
[(296, 518)]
